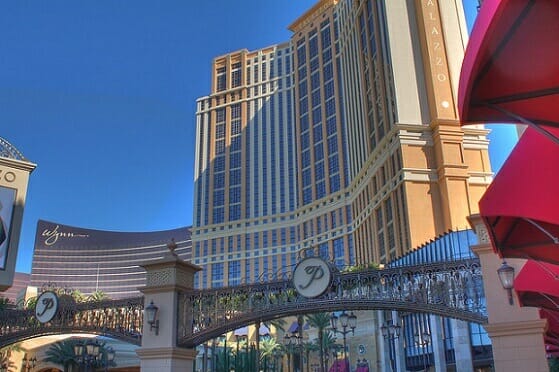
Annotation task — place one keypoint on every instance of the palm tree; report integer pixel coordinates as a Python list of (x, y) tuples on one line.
[(268, 350), (320, 321), (98, 296), (62, 353)]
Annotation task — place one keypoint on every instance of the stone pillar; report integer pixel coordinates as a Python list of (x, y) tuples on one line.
[(14, 177), (517, 333), (164, 279), (436, 339), (462, 345)]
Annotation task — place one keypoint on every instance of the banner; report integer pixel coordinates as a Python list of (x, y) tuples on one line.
[(7, 200)]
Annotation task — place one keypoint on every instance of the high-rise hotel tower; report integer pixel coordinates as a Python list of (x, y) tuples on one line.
[(345, 139)]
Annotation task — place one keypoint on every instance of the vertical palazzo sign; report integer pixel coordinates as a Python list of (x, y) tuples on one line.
[(436, 66), (7, 201)]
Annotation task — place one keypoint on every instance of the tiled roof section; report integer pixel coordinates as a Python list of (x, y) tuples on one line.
[(7, 150)]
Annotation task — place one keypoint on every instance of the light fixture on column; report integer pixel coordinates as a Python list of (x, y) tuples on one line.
[(506, 276), (151, 315)]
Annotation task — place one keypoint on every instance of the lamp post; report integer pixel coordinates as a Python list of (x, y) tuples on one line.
[(108, 357), (151, 315), (346, 321), (240, 338), (423, 340), (506, 276), (391, 332), (291, 342), (86, 354), (29, 364)]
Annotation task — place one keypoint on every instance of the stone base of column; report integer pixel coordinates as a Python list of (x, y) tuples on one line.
[(518, 346), (166, 359)]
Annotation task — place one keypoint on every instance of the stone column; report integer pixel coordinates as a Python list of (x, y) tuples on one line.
[(462, 345), (436, 339), (164, 280), (516, 332)]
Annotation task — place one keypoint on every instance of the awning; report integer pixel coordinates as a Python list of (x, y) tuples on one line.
[(510, 71), (521, 206), (537, 285), (552, 333), (243, 331)]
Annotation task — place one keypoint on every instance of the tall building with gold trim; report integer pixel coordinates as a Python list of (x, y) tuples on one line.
[(345, 138)]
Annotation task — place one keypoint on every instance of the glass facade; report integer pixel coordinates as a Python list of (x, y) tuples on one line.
[(448, 247)]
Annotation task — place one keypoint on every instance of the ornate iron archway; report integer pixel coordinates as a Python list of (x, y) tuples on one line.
[(120, 319), (450, 289)]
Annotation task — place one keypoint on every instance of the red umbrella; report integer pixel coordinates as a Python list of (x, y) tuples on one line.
[(521, 206), (537, 285), (510, 71)]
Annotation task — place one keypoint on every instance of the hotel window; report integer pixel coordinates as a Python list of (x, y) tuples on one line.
[(221, 79), (236, 75), (301, 53), (234, 273), (313, 44), (236, 143), (235, 212), (219, 147), (218, 216), (217, 275), (220, 131), (315, 81)]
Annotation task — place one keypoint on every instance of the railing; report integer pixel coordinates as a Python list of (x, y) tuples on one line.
[(451, 289), (120, 319)]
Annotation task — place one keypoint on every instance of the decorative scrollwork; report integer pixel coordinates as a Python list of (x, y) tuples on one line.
[(452, 289), (7, 150), (121, 319)]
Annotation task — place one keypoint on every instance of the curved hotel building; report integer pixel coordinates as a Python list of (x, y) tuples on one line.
[(89, 260), (344, 139)]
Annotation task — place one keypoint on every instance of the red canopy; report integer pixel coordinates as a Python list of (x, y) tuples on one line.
[(537, 285), (521, 206), (552, 333), (511, 65)]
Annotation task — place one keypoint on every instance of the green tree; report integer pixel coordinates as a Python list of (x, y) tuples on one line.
[(269, 348), (320, 321), (62, 354), (4, 303), (78, 296), (98, 296)]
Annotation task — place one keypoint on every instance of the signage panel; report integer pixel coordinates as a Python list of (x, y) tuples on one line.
[(7, 201)]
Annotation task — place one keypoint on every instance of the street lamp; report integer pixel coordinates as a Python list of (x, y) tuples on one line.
[(391, 332), (423, 340), (151, 315), (109, 356), (240, 338), (291, 342), (86, 354), (346, 321), (506, 276)]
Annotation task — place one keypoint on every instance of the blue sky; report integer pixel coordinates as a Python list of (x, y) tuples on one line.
[(101, 96)]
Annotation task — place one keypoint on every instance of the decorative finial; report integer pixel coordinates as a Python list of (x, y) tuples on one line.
[(172, 246)]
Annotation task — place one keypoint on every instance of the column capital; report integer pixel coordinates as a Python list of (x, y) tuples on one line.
[(169, 272)]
